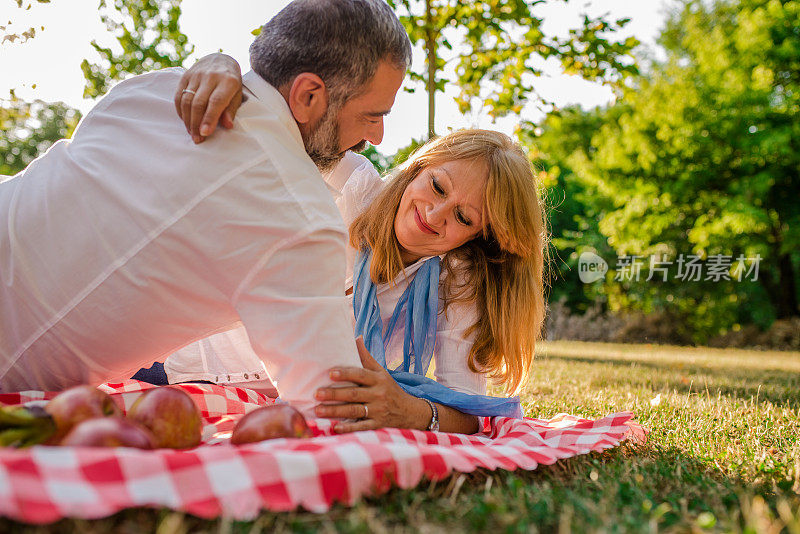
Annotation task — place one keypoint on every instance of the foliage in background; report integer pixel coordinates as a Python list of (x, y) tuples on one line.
[(700, 157), (385, 164), (29, 128), (572, 208), (499, 48), (378, 160), (404, 153), (149, 38), (11, 34)]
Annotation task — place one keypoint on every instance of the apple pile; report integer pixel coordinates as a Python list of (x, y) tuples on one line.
[(76, 405), (84, 416), (161, 417)]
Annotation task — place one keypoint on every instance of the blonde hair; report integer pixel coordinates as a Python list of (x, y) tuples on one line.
[(501, 270)]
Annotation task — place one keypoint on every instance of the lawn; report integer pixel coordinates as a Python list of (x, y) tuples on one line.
[(723, 455)]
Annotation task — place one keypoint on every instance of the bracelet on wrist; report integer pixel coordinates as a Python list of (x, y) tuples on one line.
[(433, 426)]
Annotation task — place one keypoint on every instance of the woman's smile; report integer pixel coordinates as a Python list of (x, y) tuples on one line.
[(422, 224)]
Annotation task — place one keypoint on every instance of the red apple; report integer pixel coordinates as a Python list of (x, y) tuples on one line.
[(171, 415), (79, 404), (269, 422), (109, 432)]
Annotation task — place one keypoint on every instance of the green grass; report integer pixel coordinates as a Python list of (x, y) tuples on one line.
[(722, 455)]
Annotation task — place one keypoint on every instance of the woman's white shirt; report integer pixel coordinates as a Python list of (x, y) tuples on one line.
[(452, 348), (227, 357)]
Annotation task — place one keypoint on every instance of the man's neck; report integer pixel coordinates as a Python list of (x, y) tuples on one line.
[(284, 91)]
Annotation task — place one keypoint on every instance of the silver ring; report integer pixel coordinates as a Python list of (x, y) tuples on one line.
[(366, 412), (188, 91)]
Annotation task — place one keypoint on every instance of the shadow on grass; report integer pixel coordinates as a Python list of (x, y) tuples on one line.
[(627, 489), (777, 387)]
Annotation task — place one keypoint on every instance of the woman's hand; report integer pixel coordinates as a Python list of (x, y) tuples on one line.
[(209, 93), (387, 405)]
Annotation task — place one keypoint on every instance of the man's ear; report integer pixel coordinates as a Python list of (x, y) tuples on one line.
[(308, 98)]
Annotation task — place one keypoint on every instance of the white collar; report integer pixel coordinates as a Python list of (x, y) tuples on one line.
[(271, 98), (339, 175), (411, 269)]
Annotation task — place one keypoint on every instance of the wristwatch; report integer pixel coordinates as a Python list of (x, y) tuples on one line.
[(434, 424)]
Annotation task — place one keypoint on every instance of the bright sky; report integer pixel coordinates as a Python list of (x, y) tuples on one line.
[(48, 66)]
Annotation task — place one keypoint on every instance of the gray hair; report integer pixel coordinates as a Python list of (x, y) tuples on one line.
[(341, 41)]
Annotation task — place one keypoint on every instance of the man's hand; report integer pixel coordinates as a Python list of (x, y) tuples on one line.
[(387, 405), (209, 93)]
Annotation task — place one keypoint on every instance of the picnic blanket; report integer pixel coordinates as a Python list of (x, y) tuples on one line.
[(42, 484)]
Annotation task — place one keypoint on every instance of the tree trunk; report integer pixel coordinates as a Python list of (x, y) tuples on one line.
[(787, 288), (430, 50), (782, 288)]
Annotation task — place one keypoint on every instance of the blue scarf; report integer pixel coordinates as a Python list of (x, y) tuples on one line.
[(420, 302)]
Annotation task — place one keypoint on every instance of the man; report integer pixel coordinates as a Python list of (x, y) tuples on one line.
[(130, 241)]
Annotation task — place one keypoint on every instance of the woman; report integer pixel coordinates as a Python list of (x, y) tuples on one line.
[(463, 250)]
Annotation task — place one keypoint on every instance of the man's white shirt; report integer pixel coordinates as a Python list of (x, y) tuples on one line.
[(129, 241)]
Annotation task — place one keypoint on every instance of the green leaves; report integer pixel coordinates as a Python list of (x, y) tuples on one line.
[(22, 426), (29, 128), (498, 46), (148, 38)]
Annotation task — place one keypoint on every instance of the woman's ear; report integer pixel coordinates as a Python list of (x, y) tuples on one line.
[(308, 98)]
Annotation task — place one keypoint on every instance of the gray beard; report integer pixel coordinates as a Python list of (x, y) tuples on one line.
[(322, 144)]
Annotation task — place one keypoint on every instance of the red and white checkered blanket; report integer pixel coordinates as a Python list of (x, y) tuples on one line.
[(43, 484)]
